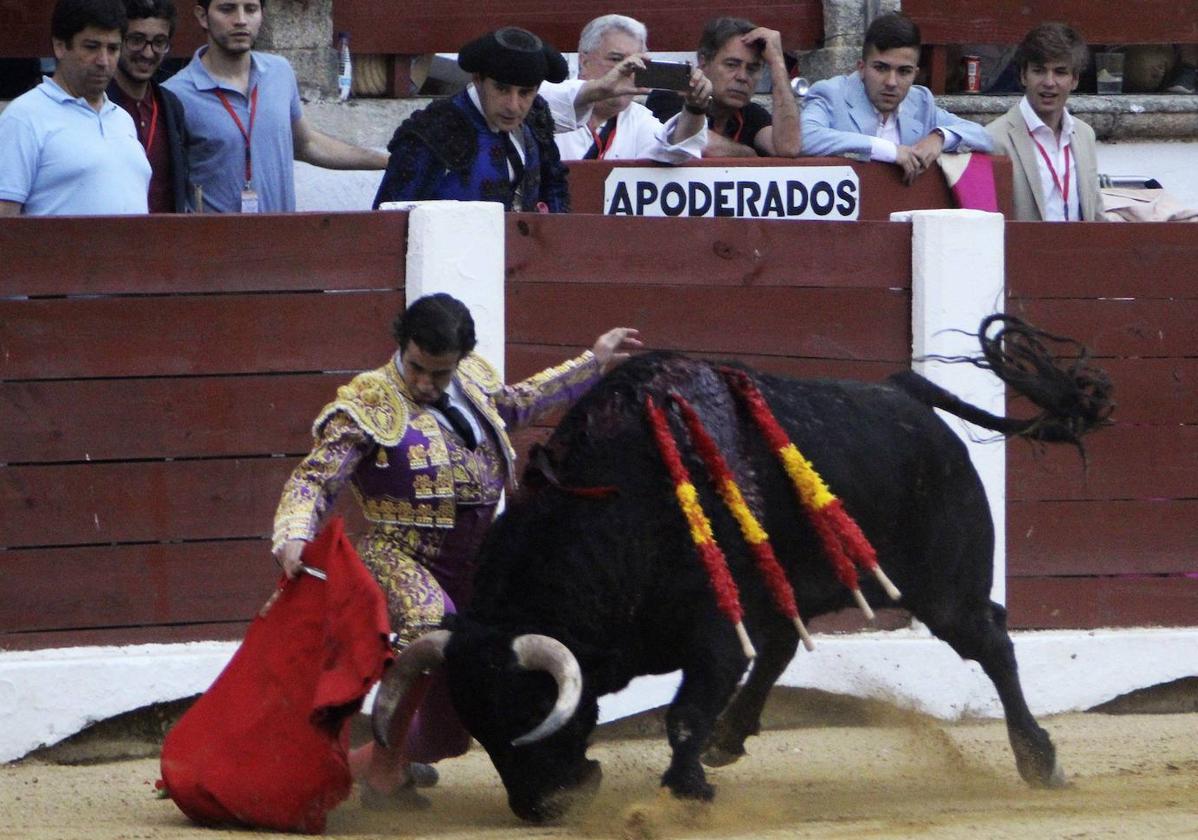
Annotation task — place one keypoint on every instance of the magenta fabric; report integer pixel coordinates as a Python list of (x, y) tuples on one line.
[(973, 188)]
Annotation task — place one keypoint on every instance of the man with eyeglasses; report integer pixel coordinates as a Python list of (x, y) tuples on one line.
[(65, 149), (157, 113)]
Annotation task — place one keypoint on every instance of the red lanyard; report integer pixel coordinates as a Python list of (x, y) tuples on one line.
[(740, 125), (600, 145), (153, 123), (1053, 170), (246, 135)]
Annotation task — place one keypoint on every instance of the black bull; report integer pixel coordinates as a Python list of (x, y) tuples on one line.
[(596, 554)]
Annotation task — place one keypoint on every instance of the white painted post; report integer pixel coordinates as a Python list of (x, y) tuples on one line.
[(457, 247), (957, 279)]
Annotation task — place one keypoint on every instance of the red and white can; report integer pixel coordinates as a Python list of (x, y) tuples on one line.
[(973, 73)]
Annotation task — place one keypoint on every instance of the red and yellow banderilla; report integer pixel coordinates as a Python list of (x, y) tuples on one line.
[(838, 532)]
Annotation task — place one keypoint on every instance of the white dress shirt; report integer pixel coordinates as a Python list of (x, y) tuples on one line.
[(1060, 159), (638, 134)]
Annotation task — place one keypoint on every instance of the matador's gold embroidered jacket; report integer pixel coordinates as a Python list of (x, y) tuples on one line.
[(404, 468)]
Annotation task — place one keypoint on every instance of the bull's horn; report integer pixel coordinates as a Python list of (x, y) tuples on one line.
[(542, 653), (426, 652)]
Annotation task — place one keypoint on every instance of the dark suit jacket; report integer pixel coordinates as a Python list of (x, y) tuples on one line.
[(176, 135)]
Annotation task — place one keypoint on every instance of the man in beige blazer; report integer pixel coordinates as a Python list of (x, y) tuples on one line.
[(1052, 152)]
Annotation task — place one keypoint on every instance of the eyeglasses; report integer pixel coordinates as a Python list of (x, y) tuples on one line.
[(137, 42)]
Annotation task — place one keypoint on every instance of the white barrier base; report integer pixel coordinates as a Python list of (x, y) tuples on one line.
[(49, 695)]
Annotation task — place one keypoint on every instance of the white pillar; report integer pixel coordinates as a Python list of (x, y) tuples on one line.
[(957, 279), (457, 247)]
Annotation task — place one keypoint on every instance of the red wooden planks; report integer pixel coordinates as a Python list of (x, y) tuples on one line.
[(1154, 391), (524, 360), (203, 253), (1053, 603), (854, 324), (140, 501), (707, 252), (1140, 328), (420, 26), (1109, 261), (1102, 537), (26, 29), (1100, 21), (1125, 462), (118, 419), (60, 338), (121, 586)]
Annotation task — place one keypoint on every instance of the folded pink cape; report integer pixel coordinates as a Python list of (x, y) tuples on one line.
[(970, 177), (262, 747)]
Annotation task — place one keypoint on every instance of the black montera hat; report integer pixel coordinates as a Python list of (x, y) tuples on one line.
[(513, 56)]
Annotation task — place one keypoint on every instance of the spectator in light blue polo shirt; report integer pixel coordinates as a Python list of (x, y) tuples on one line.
[(65, 149), (244, 117)]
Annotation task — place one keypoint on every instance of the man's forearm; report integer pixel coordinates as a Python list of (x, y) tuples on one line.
[(787, 137), (687, 125), (720, 146), (330, 153)]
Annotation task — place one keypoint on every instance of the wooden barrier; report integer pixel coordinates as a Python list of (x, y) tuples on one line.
[(882, 189), (422, 26), (1110, 541), (152, 408), (956, 22), (401, 31), (25, 31)]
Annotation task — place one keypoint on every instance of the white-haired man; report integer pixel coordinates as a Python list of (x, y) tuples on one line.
[(595, 115)]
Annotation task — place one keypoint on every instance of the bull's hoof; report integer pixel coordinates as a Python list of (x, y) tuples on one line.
[(1055, 780), (689, 787), (717, 756)]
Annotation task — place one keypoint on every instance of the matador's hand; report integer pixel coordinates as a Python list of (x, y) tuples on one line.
[(612, 348), (289, 557)]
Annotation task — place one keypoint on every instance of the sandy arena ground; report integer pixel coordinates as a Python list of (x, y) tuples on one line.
[(1133, 776)]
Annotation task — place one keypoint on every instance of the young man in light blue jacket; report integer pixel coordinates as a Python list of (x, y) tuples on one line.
[(878, 113)]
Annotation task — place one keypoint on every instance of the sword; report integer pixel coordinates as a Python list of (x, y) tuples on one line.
[(315, 572)]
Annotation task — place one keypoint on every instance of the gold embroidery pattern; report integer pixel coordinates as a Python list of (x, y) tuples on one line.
[(318, 478), (375, 405), (547, 386), (443, 484), (385, 510), (417, 456), (477, 475), (415, 601), (426, 424), (422, 486)]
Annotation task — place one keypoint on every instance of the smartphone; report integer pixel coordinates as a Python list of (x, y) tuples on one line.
[(664, 75)]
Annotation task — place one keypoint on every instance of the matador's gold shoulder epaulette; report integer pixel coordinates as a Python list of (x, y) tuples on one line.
[(478, 370), (373, 402)]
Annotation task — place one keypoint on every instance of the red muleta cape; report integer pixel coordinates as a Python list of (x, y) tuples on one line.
[(262, 747)]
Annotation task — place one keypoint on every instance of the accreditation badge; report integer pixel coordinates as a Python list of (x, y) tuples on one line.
[(249, 200)]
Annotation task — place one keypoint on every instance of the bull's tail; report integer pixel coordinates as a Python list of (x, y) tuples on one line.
[(1073, 395)]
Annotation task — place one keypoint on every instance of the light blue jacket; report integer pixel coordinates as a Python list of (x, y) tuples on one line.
[(838, 119)]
